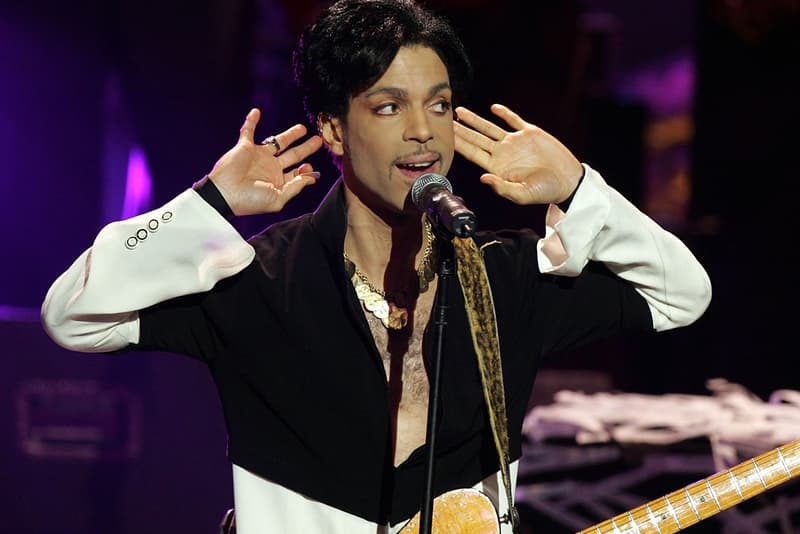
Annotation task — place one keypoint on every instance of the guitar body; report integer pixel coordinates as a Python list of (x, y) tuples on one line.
[(461, 511)]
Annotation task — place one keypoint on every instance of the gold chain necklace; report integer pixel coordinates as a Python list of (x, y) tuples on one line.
[(375, 300)]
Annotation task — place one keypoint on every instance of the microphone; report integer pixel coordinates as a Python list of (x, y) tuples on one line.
[(433, 194)]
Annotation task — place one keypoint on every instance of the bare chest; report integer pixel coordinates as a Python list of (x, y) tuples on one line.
[(406, 374)]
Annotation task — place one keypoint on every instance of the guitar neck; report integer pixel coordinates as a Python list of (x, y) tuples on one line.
[(700, 500)]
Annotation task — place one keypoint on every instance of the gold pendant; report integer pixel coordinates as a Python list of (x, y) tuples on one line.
[(398, 317), (390, 314)]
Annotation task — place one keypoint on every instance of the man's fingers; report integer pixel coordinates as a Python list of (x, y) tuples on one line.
[(278, 143), (293, 187), (487, 128), (248, 129), (511, 118), (302, 169), (290, 135), (472, 152), (291, 156), (266, 197), (472, 137), (509, 190)]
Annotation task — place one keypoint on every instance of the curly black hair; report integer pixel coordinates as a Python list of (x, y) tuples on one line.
[(353, 42)]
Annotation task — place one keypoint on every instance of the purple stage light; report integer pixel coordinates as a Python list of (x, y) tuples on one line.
[(138, 185)]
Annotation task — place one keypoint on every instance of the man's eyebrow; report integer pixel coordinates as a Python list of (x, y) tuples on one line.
[(437, 88), (402, 93), (393, 91)]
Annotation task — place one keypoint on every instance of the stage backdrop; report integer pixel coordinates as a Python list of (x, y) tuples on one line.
[(106, 443)]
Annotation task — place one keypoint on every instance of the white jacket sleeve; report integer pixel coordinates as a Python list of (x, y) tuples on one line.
[(182, 248), (601, 225)]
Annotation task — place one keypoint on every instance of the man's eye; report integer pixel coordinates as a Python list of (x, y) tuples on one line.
[(441, 107), (386, 109)]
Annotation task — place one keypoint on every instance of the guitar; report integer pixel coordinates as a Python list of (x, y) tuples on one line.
[(459, 511), (707, 497), (468, 511)]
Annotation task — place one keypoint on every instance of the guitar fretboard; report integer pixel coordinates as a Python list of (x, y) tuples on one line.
[(702, 499)]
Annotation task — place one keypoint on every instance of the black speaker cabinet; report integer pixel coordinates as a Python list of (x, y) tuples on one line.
[(99, 443)]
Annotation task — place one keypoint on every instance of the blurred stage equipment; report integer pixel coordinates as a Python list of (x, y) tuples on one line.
[(590, 457)]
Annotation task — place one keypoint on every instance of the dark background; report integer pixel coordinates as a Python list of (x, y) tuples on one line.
[(689, 108)]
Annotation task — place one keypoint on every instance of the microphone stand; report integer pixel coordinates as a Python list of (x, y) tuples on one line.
[(445, 270)]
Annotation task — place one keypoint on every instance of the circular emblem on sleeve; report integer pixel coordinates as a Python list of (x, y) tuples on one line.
[(151, 227)]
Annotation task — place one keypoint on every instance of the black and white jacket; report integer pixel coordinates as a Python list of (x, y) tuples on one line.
[(302, 384)]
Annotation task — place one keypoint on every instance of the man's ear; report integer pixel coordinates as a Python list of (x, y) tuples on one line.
[(332, 132)]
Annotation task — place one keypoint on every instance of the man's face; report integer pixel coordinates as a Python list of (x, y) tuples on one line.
[(399, 129)]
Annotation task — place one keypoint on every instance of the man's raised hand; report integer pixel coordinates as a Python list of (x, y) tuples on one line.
[(252, 177), (525, 165)]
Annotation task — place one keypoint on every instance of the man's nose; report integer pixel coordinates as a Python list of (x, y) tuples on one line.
[(418, 127)]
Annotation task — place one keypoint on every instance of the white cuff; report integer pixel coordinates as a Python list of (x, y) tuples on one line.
[(182, 248), (601, 225)]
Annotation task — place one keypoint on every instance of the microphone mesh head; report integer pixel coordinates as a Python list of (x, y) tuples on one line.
[(424, 183)]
